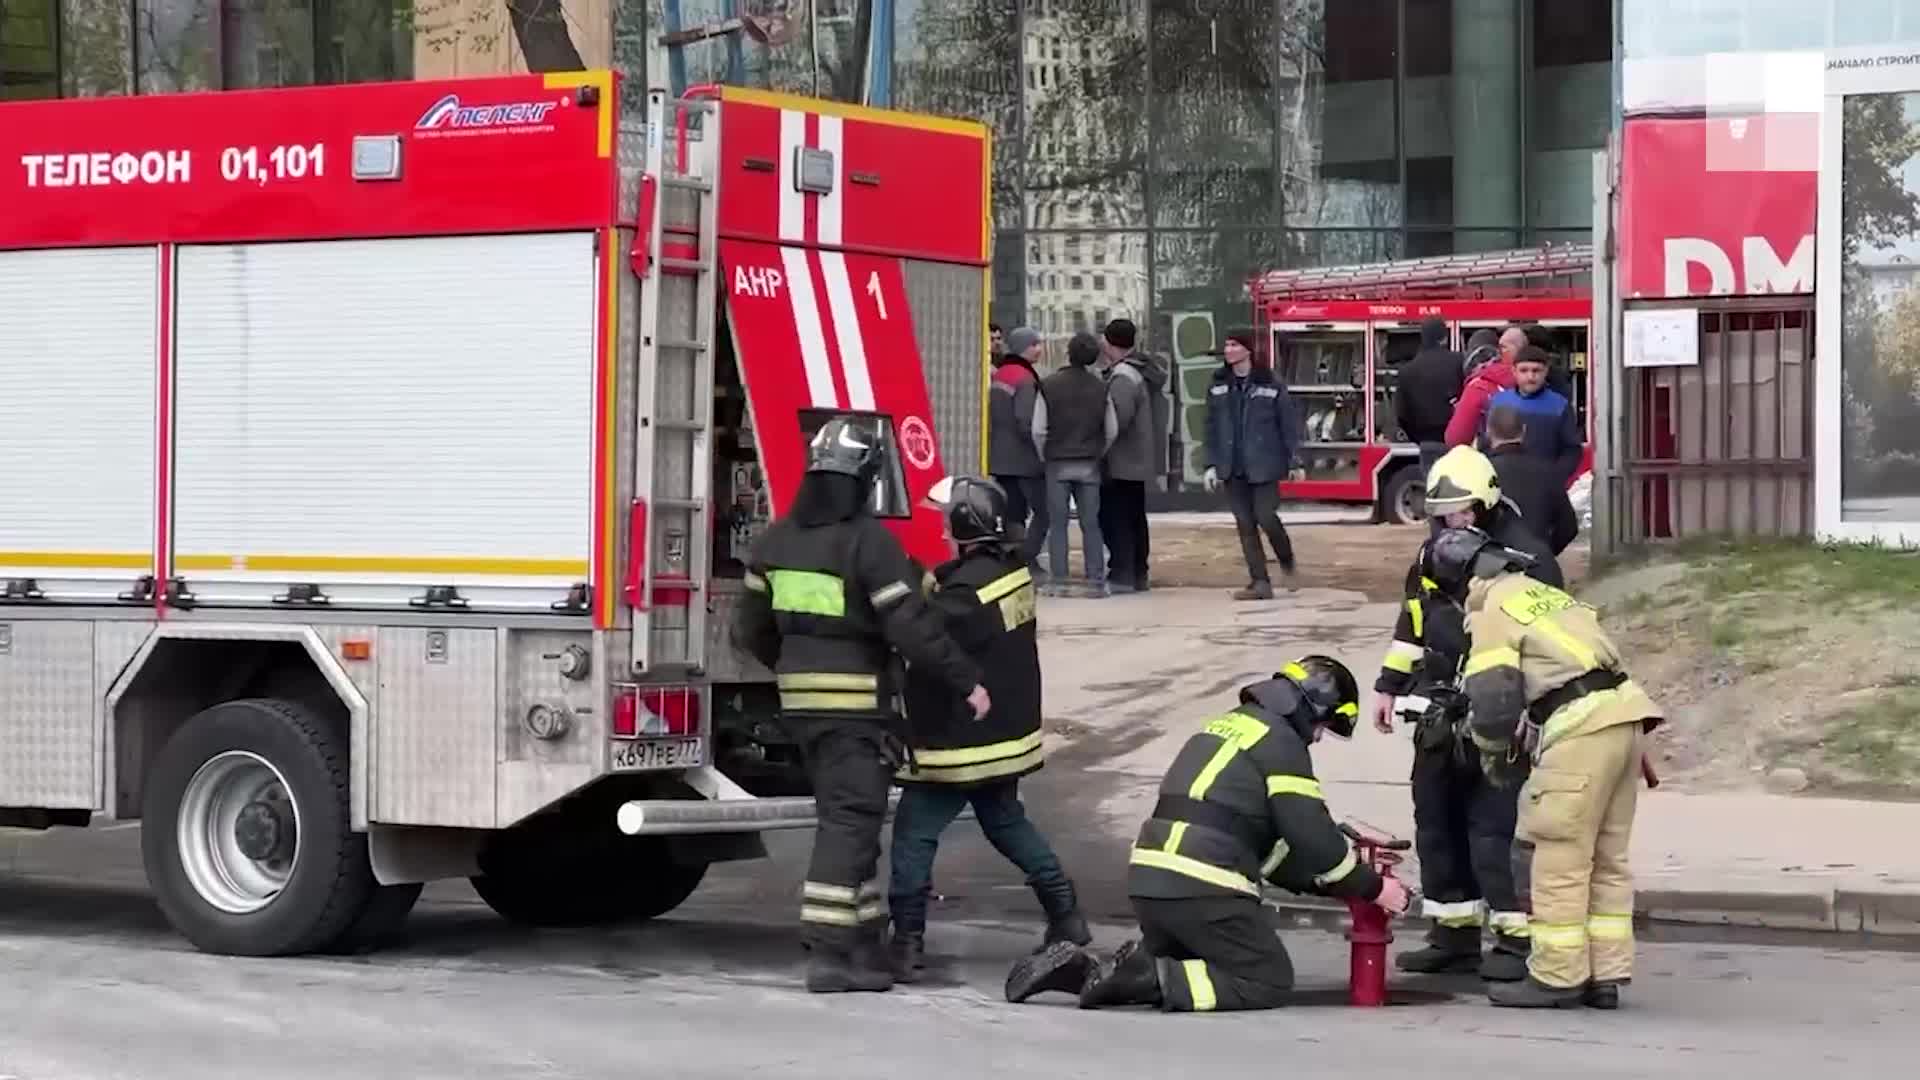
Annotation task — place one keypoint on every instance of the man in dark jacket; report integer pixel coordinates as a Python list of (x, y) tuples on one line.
[(1074, 424), (1137, 386), (1428, 386), (1012, 458), (1531, 481), (830, 597), (985, 598), (1552, 426), (1250, 441), (1239, 806)]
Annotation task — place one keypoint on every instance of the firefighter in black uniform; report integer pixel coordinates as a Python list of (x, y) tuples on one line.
[(986, 599), (1239, 804), (830, 597), (1463, 824)]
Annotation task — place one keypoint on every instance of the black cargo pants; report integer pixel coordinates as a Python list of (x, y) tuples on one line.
[(1463, 835), (850, 763), (1215, 953)]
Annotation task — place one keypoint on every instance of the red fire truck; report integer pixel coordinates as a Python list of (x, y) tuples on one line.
[(380, 460), (1338, 336)]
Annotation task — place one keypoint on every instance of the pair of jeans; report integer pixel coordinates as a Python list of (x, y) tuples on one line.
[(1065, 486), (1256, 509), (1027, 495), (925, 812), (1123, 525)]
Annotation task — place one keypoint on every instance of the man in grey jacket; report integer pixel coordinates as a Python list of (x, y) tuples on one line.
[(1136, 384), (1012, 456), (1074, 425)]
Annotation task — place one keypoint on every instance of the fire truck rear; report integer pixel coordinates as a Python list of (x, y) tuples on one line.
[(380, 461)]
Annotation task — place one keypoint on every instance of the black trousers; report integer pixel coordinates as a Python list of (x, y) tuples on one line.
[(1463, 834), (850, 763), (1027, 495), (1256, 509), (1123, 526), (1215, 954)]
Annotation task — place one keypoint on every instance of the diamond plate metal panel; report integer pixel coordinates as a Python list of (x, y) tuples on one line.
[(535, 772), (724, 662), (48, 748), (948, 302), (115, 642), (434, 727)]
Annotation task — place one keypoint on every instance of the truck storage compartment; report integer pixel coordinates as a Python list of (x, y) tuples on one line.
[(78, 355), (372, 419)]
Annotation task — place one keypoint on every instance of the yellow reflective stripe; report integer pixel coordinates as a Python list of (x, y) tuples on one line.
[(1236, 732), (1340, 870), (1610, 927), (1294, 672), (973, 755), (831, 916), (1488, 659), (1019, 609), (1211, 771), (956, 774), (1453, 913), (1398, 662), (1583, 657), (808, 592), (1294, 785), (1429, 583), (1347, 708), (826, 680), (1559, 935), (1510, 923), (1001, 586), (1193, 868), (1199, 985), (890, 594), (833, 894), (754, 581), (1274, 858), (1419, 616), (825, 700), (1575, 712), (1175, 834)]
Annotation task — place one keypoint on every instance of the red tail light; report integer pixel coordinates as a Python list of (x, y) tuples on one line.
[(649, 712)]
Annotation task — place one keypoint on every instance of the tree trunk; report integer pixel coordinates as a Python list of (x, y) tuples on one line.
[(541, 27)]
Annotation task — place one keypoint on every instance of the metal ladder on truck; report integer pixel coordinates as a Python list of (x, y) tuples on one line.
[(672, 512)]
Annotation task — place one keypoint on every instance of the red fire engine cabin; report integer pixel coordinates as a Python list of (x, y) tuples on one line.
[(1337, 338)]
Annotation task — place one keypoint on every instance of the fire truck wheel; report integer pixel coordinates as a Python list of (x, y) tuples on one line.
[(247, 838), (380, 922), (631, 879), (1404, 500)]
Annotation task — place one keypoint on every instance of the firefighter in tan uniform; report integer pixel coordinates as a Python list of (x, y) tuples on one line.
[(1541, 670)]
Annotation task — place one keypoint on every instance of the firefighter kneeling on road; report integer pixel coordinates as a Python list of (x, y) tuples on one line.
[(1538, 652), (830, 595), (1463, 823), (1239, 804), (986, 598)]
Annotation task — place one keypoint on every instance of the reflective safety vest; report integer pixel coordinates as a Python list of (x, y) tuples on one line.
[(1240, 805), (826, 606), (987, 604)]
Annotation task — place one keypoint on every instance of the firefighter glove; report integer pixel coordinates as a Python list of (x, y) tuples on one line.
[(1211, 479)]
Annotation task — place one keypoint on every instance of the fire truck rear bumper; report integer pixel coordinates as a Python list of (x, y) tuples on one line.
[(726, 808)]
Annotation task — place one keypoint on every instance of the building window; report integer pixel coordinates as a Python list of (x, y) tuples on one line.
[(29, 49)]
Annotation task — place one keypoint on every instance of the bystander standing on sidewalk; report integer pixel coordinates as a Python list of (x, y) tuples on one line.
[(1074, 424), (1250, 441), (1136, 385), (1531, 481), (1012, 456), (1426, 390), (1552, 426)]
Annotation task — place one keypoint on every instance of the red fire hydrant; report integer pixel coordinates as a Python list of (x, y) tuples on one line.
[(1372, 931)]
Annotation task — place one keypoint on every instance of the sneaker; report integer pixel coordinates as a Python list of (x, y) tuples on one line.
[(1259, 590)]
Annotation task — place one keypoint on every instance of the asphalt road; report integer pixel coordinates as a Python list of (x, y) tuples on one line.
[(97, 987)]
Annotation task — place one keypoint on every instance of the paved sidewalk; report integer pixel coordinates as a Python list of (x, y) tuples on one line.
[(1129, 677)]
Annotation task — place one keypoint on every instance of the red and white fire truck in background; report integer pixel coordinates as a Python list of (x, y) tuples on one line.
[(380, 459), (1337, 338)]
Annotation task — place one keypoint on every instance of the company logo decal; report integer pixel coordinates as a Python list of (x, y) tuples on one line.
[(449, 113), (916, 442)]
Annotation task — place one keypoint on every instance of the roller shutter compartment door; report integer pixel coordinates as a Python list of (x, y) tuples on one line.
[(376, 416), (78, 356)]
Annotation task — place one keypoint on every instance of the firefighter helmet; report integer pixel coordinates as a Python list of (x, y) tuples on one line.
[(1458, 556), (1330, 690), (976, 510), (1462, 479), (844, 447)]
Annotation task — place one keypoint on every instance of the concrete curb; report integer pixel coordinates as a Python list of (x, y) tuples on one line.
[(1873, 913)]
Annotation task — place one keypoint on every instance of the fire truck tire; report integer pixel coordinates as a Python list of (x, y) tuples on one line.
[(1403, 501), (570, 885), (247, 837), (381, 921)]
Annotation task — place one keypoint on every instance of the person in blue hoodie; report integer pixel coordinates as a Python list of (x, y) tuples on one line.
[(1552, 426)]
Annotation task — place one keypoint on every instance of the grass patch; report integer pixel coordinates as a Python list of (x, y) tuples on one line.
[(1822, 573), (1879, 740)]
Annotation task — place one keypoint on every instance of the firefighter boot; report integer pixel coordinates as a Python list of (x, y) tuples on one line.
[(1064, 921), (1451, 950), (1128, 977), (1507, 960), (858, 965), (1603, 994), (1530, 993), (1063, 966)]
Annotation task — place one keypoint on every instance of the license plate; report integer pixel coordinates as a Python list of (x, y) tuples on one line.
[(658, 754)]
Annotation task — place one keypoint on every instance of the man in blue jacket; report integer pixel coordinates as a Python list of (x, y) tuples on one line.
[(1552, 425), (1250, 441)]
